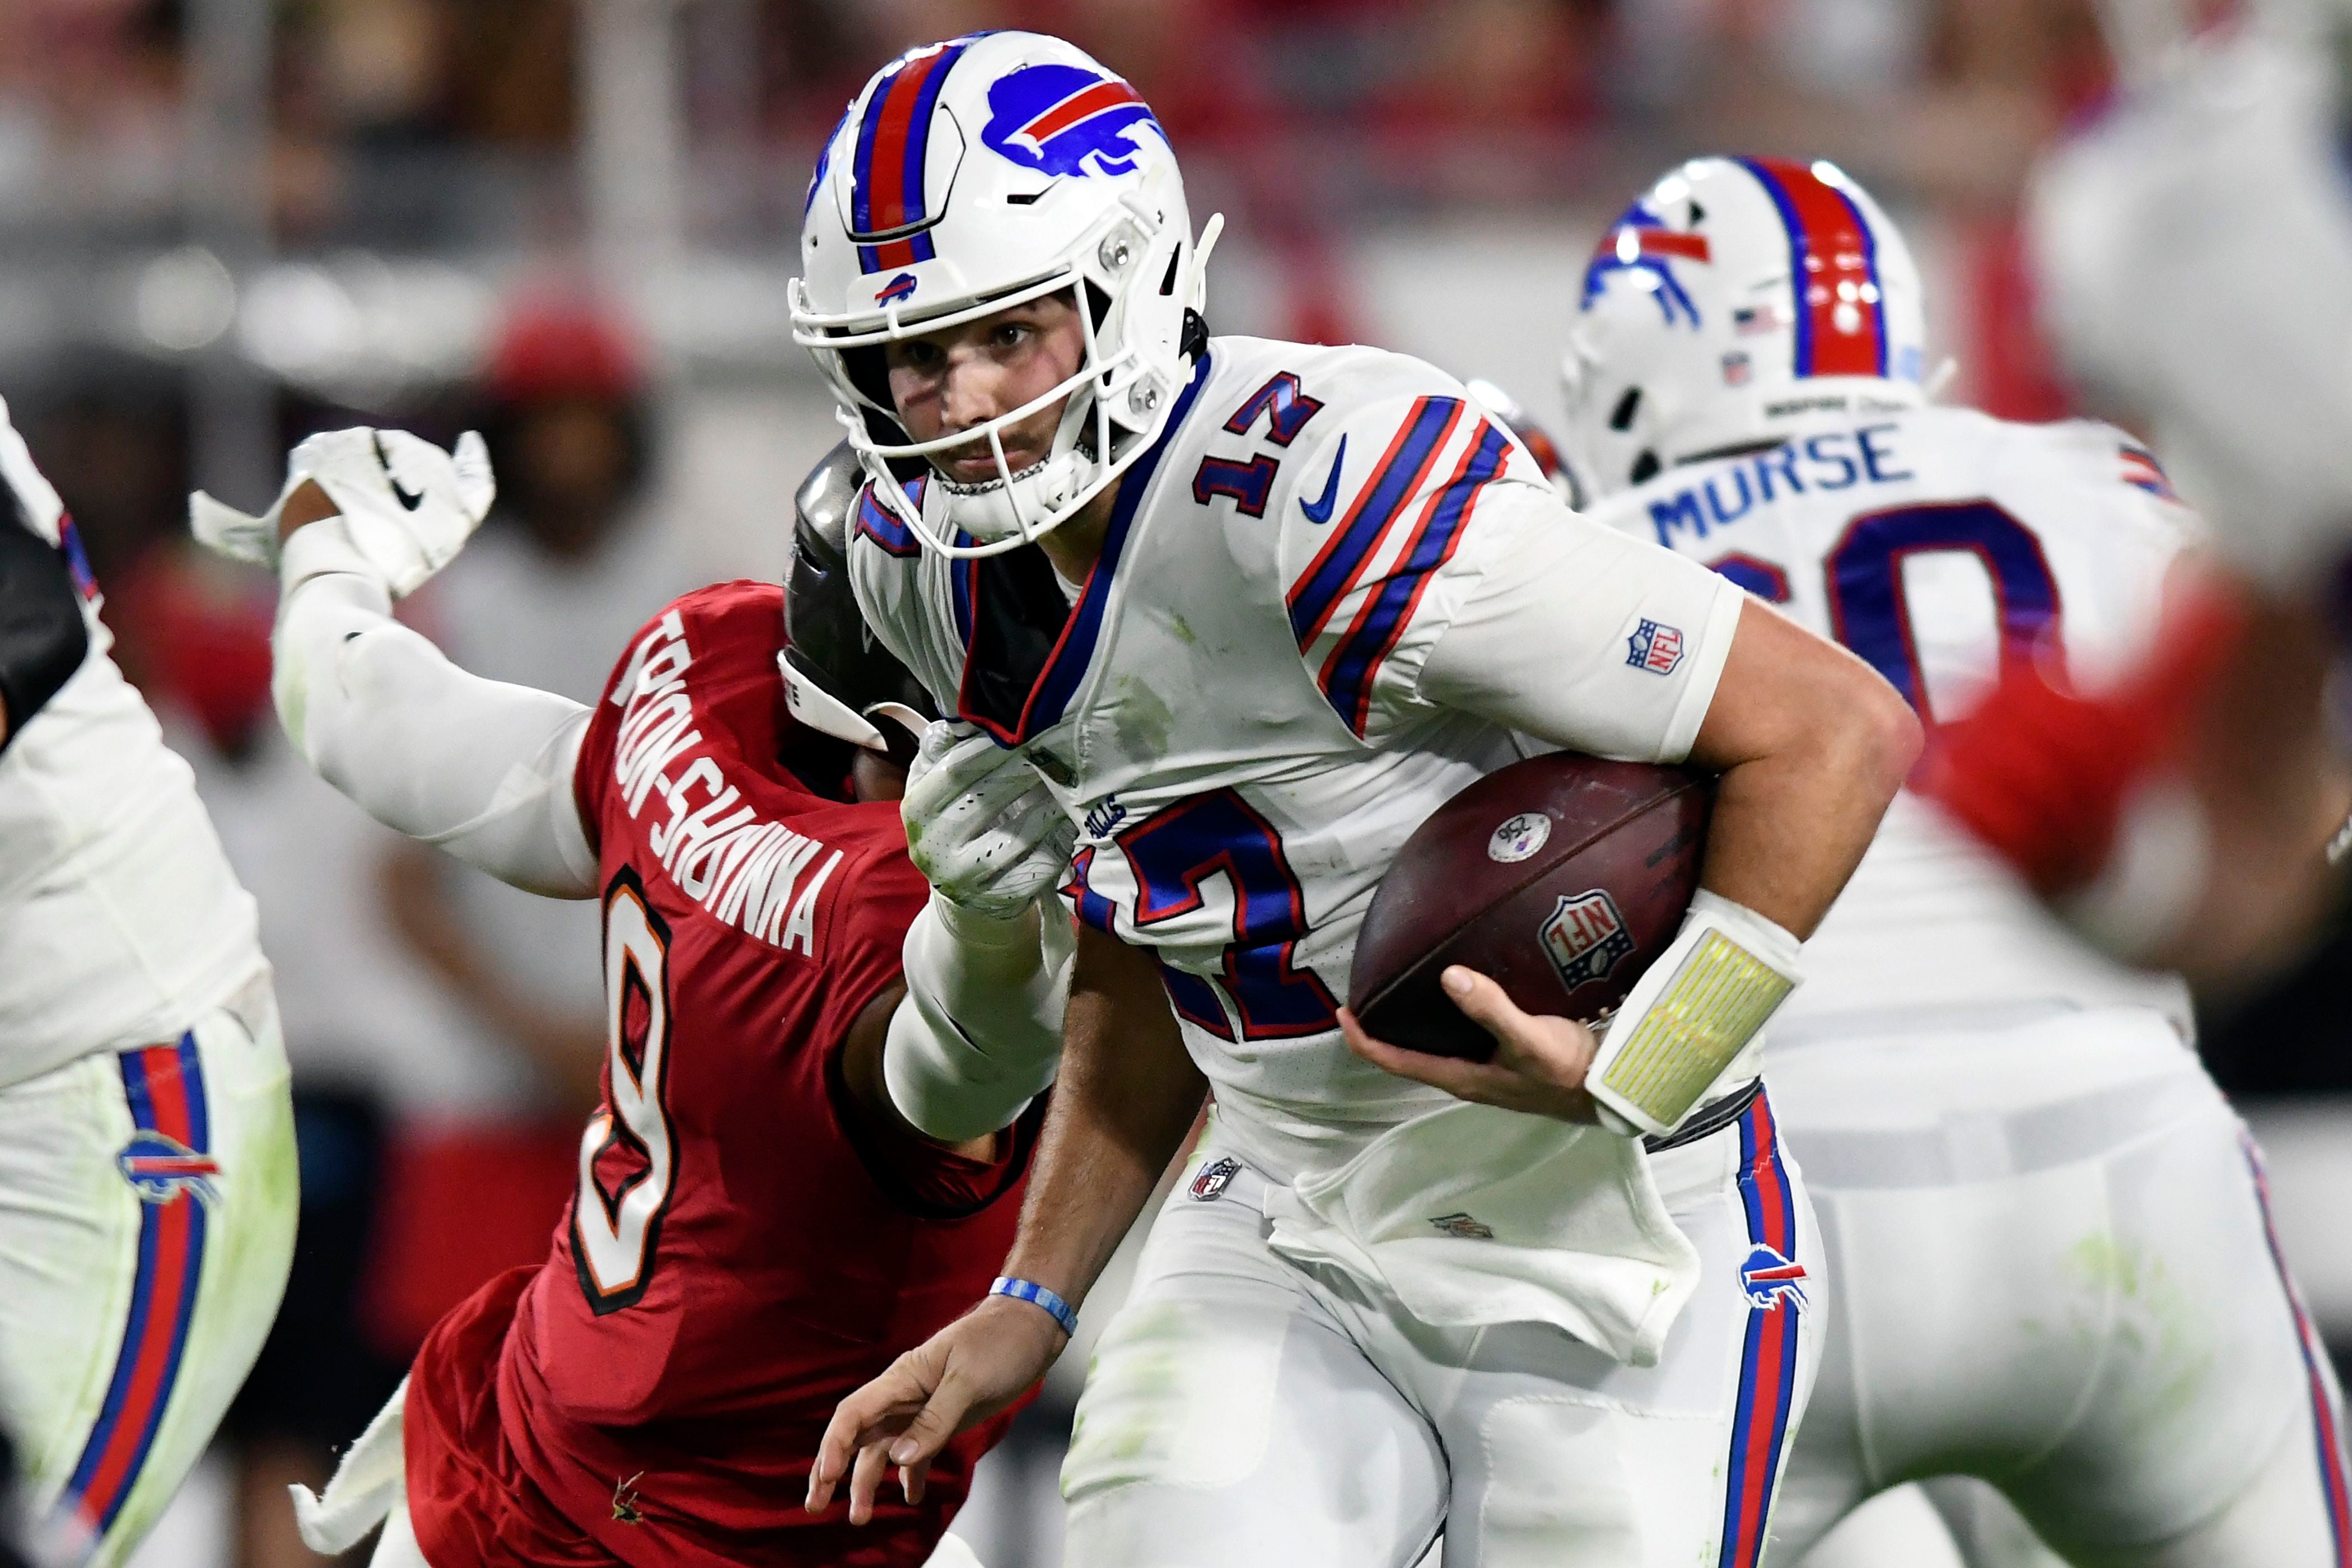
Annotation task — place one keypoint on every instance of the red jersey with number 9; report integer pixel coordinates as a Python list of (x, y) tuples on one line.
[(743, 1248)]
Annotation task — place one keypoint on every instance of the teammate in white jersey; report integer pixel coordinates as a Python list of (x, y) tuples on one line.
[(1283, 602), (2053, 1266), (2193, 252), (147, 1188)]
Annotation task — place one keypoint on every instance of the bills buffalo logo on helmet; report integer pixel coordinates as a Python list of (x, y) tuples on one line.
[(159, 1168), (1770, 1278), (1214, 1178), (1640, 244), (1055, 118), (1585, 937), (902, 286)]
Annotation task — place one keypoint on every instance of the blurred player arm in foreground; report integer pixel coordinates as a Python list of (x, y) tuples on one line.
[(2182, 817)]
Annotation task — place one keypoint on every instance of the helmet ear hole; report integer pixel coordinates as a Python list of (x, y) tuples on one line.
[(1621, 418), (1645, 467)]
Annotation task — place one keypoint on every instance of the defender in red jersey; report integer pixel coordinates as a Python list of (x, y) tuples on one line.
[(756, 1230)]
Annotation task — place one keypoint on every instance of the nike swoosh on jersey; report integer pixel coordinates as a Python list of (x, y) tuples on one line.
[(1318, 512), (410, 498)]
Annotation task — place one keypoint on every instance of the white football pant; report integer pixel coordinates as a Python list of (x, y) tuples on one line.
[(2056, 1271), (147, 1203), (1242, 1413)]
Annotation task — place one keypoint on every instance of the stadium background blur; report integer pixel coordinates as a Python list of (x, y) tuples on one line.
[(229, 223)]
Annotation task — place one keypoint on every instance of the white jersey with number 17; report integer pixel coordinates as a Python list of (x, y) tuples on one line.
[(1934, 543), (1329, 594)]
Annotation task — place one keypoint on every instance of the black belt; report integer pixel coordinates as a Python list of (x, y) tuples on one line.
[(1713, 1117)]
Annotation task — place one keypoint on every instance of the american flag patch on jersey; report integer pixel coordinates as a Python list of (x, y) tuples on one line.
[(1655, 647), (2142, 471)]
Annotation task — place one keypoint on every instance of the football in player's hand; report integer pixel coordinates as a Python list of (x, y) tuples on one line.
[(1563, 877)]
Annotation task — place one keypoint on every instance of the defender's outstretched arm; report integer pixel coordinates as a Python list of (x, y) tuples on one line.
[(479, 768)]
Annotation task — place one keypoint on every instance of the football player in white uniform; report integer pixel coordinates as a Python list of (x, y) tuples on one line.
[(2054, 1267), (147, 1186), (1283, 602), (2193, 252)]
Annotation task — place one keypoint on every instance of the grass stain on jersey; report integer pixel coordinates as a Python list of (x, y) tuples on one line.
[(1183, 630), (1141, 719), (2103, 1263)]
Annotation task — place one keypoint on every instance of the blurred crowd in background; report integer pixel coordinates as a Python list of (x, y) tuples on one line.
[(568, 222)]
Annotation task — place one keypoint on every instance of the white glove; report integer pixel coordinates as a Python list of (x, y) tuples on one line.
[(980, 822), (407, 507)]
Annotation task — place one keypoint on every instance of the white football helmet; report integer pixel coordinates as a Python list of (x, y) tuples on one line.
[(1696, 335), (971, 175)]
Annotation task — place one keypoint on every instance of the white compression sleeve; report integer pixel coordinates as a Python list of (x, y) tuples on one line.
[(477, 767), (980, 1033)]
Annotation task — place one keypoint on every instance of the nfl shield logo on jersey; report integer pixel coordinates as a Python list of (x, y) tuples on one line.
[(1585, 937), (1655, 647), (1769, 1278), (1054, 118), (161, 1168), (1214, 1178)]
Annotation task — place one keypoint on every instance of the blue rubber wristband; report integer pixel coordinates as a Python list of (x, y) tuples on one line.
[(1028, 1291)]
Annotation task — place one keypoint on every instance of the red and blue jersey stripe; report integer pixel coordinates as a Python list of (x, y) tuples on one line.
[(165, 1088), (880, 524), (894, 138), (2142, 471), (1396, 479), (2327, 1418), (85, 581), (1346, 674), (1768, 1362), (1832, 269)]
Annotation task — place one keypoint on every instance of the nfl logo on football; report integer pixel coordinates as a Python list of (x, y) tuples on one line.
[(1585, 937)]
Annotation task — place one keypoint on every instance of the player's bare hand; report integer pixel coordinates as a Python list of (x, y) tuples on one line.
[(1539, 1065), (958, 1378)]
